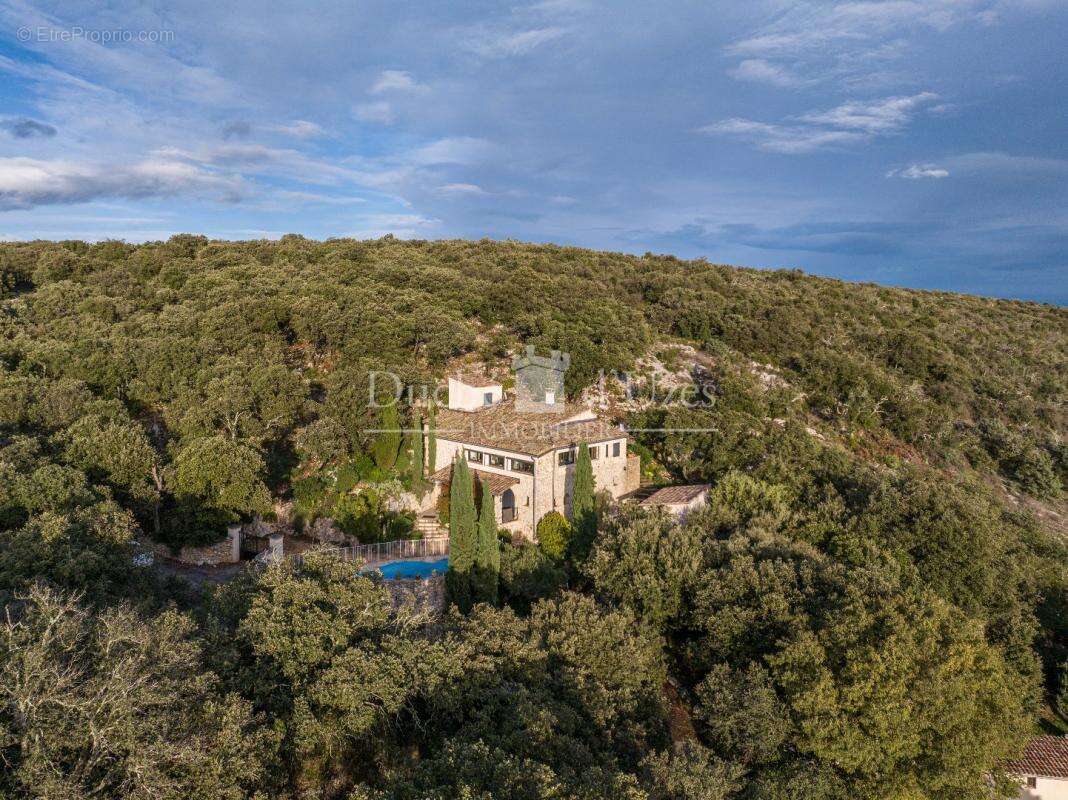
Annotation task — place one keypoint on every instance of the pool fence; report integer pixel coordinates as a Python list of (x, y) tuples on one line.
[(381, 552)]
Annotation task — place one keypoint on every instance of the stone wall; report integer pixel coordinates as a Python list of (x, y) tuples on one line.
[(554, 483), (549, 489), (538, 378), (325, 531), (427, 594), (633, 478), (226, 551)]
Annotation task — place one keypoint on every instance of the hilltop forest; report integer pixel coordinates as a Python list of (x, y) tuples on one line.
[(874, 604)]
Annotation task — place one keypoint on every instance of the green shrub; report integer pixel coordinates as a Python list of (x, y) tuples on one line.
[(554, 535), (528, 575), (346, 478), (1033, 470), (308, 494)]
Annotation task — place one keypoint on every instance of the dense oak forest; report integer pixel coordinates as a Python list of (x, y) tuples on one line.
[(873, 605)]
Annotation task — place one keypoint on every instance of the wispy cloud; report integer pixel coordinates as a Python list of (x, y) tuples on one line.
[(462, 189), (851, 41), (380, 112), (918, 172), (452, 150), (315, 198), (874, 117), (497, 43), (759, 70), (395, 80), (1002, 166), (261, 159), (782, 138), (299, 129), (849, 123), (27, 182), (151, 72), (26, 128)]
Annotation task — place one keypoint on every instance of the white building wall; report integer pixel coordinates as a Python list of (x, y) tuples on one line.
[(463, 397), (1045, 789)]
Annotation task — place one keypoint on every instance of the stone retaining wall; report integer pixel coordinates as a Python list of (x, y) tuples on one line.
[(428, 593), (226, 551)]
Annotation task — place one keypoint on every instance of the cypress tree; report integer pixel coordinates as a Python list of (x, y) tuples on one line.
[(404, 456), (432, 438), (583, 512), (418, 467), (388, 442), (462, 534), (487, 552)]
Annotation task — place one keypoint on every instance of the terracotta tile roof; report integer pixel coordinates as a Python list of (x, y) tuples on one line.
[(498, 484), (533, 433), (1044, 756), (670, 495)]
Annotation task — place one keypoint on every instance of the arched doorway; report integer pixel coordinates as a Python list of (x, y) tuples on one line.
[(508, 510)]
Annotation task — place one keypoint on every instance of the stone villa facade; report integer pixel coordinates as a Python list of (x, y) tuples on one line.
[(523, 447)]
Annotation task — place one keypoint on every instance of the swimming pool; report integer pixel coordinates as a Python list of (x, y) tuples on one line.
[(412, 569)]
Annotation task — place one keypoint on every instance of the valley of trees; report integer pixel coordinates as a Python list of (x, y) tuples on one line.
[(873, 605)]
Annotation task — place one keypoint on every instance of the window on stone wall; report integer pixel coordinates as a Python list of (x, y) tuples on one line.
[(566, 457), (522, 466), (474, 456), (594, 452), (495, 460), (615, 448)]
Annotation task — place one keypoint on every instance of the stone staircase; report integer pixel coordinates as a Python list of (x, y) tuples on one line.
[(428, 526)]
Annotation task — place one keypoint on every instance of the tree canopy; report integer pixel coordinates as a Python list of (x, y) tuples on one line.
[(874, 603)]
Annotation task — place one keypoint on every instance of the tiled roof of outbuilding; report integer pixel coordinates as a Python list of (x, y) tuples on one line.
[(1044, 756), (672, 495)]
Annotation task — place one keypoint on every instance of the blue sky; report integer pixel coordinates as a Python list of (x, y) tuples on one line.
[(903, 142)]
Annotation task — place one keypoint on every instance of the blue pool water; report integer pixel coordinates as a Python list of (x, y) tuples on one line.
[(413, 569)]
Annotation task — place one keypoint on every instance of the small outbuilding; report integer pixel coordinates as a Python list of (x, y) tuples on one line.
[(678, 500), (1042, 769)]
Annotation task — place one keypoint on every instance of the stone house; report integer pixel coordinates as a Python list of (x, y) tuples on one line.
[(1042, 769), (678, 500), (523, 447)]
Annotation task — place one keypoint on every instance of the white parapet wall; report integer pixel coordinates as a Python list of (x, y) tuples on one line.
[(472, 395)]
